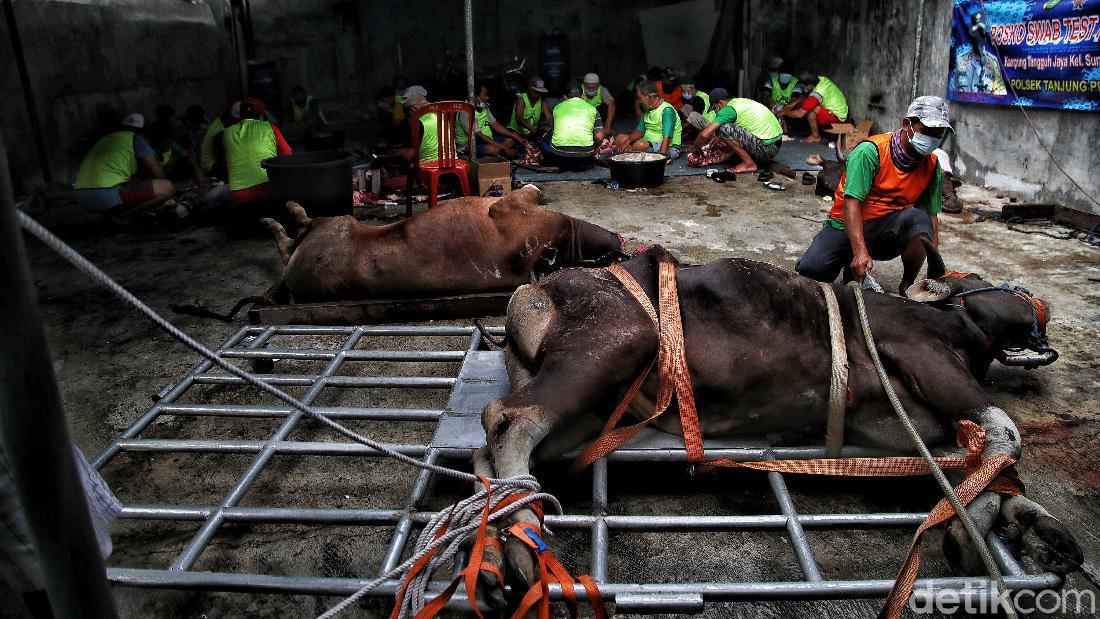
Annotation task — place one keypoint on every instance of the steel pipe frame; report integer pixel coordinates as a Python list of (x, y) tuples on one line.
[(404, 521)]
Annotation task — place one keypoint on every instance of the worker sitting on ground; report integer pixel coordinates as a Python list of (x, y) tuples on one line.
[(747, 127), (491, 137), (595, 94), (888, 199), (531, 109), (824, 106), (669, 88), (107, 182), (697, 111), (577, 131), (247, 144), (211, 157), (303, 116), (779, 88), (660, 129), (176, 160)]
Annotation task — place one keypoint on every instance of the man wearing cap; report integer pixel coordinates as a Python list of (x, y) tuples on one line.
[(824, 106), (595, 94), (530, 109), (748, 127), (659, 130), (779, 88), (106, 181), (888, 199), (247, 144), (577, 130)]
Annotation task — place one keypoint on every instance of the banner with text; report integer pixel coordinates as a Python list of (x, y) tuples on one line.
[(1049, 52)]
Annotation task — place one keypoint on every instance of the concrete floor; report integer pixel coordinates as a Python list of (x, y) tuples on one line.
[(110, 362)]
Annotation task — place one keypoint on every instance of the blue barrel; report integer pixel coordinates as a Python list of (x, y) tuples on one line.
[(554, 61)]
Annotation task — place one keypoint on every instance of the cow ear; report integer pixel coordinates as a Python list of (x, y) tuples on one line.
[(928, 291), (936, 268)]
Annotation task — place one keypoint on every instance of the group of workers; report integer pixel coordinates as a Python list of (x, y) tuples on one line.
[(673, 118), (131, 169)]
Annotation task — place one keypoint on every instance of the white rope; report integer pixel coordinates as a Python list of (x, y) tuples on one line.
[(466, 513)]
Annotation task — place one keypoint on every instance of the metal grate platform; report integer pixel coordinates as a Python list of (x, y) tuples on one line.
[(480, 379)]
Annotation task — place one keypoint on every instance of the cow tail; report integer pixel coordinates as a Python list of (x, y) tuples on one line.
[(488, 337), (193, 309)]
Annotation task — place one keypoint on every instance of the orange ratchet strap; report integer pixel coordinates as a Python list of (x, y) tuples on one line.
[(672, 375)]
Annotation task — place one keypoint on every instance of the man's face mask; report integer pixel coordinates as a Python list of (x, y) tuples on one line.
[(687, 93), (590, 91), (923, 144)]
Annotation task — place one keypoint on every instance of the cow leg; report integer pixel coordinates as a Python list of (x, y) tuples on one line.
[(490, 589), (1046, 544), (963, 398)]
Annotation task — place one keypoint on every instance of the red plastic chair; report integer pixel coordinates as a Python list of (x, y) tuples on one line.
[(447, 159)]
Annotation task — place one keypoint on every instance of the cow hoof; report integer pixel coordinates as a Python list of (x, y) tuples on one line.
[(490, 588), (518, 558), (1044, 540)]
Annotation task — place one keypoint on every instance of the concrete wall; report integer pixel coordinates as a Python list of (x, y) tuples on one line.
[(93, 60), (869, 47)]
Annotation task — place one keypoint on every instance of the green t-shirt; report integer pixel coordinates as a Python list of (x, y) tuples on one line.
[(860, 173), (761, 122), (668, 123)]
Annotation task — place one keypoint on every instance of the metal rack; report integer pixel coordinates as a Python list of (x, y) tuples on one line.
[(480, 379)]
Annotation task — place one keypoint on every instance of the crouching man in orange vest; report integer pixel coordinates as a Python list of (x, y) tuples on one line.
[(889, 197)]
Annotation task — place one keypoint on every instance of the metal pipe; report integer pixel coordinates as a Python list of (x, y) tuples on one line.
[(713, 591), (600, 537), (801, 545), (34, 436), (917, 53), (468, 17), (333, 412)]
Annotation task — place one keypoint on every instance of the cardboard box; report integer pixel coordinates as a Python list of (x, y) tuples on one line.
[(848, 135), (487, 172)]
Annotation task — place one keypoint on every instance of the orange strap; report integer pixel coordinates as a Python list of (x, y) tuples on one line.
[(995, 474), (673, 374)]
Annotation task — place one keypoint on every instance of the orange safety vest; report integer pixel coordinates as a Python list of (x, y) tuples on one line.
[(672, 97), (891, 189)]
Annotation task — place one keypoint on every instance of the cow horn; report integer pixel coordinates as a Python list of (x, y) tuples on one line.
[(928, 291), (1029, 360), (936, 269)]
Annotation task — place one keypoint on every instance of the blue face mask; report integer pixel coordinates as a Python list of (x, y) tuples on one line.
[(591, 92), (923, 144)]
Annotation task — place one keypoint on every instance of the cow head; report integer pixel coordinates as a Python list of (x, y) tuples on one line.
[(1011, 318)]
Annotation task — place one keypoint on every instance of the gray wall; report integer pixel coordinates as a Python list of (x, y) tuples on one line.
[(99, 59), (870, 51)]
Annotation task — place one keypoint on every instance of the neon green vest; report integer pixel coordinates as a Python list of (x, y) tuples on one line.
[(110, 162), (208, 158), (831, 97), (596, 101), (653, 127), (757, 119), (781, 95), (429, 139), (247, 143), (574, 123), (481, 125), (531, 113), (708, 112)]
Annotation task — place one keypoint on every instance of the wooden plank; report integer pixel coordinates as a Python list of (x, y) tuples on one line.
[(378, 311), (1078, 219)]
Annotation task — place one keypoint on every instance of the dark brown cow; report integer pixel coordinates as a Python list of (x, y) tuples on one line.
[(758, 348), (460, 246)]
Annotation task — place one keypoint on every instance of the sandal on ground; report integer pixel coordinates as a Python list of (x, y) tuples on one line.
[(775, 186), (808, 179), (765, 176)]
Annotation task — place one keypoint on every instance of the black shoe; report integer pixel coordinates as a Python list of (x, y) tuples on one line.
[(765, 176), (808, 179)]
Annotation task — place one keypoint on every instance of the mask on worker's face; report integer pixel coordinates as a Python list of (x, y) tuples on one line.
[(591, 91), (923, 144), (687, 94)]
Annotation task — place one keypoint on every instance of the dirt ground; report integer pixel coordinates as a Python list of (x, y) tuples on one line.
[(110, 362)]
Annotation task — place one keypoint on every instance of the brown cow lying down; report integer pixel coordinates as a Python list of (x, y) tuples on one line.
[(758, 348), (460, 246)]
